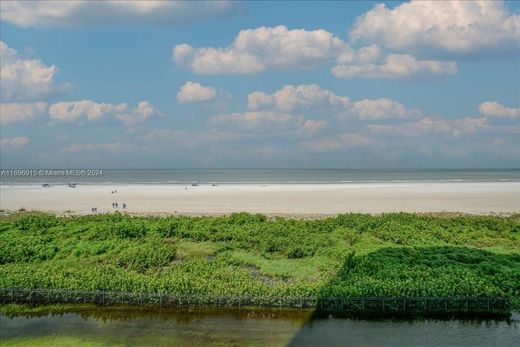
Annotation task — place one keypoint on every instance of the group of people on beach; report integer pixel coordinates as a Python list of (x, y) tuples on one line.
[(116, 205)]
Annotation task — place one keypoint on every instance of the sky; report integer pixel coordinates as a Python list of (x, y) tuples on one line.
[(168, 84)]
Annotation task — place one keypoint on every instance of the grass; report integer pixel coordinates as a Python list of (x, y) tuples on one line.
[(187, 249), (23, 309), (301, 269), (55, 341)]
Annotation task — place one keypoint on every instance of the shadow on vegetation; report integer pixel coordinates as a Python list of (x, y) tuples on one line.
[(454, 272)]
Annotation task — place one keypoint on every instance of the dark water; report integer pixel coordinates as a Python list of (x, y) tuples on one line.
[(239, 328), (253, 176)]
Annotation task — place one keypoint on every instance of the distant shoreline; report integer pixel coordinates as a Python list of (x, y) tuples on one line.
[(301, 200)]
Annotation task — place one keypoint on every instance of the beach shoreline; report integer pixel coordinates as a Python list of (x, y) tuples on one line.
[(298, 200)]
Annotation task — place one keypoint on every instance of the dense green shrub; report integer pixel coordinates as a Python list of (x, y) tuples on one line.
[(128, 229), (37, 222), (353, 254), (147, 255)]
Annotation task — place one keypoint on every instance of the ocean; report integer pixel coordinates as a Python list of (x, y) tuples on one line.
[(252, 176)]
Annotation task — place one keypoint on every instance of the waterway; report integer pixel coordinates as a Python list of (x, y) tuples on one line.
[(247, 328)]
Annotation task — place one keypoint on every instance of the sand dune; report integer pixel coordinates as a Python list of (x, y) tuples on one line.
[(465, 197)]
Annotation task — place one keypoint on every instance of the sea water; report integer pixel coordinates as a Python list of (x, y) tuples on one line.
[(254, 176)]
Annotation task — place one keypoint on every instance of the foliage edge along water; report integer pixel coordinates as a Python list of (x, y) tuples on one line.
[(351, 255)]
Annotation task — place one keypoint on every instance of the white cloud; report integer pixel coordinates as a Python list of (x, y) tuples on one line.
[(337, 143), (291, 98), (268, 123), (21, 112), (376, 109), (195, 92), (311, 126), (86, 13), (69, 111), (285, 111), (307, 109), (494, 109), (139, 114), (429, 125), (26, 79), (14, 142), (113, 148), (455, 127), (189, 139), (311, 98), (256, 121), (403, 66), (255, 50), (457, 27)]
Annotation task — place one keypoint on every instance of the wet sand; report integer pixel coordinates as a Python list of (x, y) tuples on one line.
[(290, 199)]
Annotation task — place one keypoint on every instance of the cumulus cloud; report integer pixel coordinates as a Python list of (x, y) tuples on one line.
[(311, 126), (189, 139), (311, 98), (426, 125), (401, 66), (420, 127), (303, 96), (376, 109), (87, 13), (494, 109), (255, 120), (21, 112), (255, 50), (139, 114), (287, 110), (26, 79), (113, 148), (268, 123), (308, 109), (69, 111), (14, 142), (195, 92), (432, 126), (337, 143), (456, 27), (403, 43)]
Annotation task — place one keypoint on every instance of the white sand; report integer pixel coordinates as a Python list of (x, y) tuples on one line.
[(305, 199)]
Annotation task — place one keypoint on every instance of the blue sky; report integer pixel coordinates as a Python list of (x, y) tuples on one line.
[(260, 84)]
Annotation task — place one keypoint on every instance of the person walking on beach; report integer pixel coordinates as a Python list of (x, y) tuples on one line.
[(124, 205)]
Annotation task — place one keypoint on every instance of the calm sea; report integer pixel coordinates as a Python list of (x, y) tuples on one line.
[(255, 176)]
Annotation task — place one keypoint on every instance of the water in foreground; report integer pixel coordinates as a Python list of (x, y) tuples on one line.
[(237, 328)]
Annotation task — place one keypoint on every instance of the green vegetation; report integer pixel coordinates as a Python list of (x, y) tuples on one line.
[(242, 254), (13, 310)]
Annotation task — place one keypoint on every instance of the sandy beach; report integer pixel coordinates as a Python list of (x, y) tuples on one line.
[(291, 199)]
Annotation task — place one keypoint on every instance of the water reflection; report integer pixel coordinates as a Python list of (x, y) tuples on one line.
[(246, 327)]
